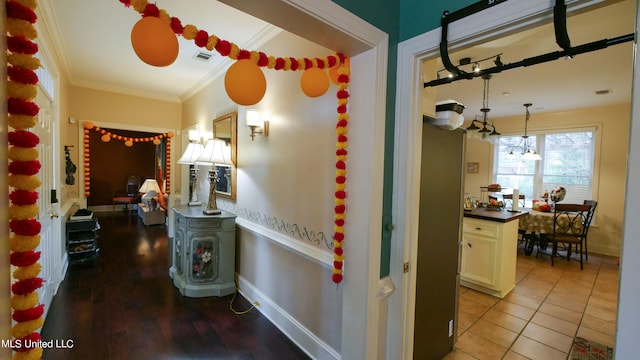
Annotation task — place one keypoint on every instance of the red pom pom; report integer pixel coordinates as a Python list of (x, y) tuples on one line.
[(343, 78), (22, 75), (21, 138), (337, 278), (28, 227), (22, 45), (343, 94), (26, 286), (338, 251), (339, 222), (341, 152), (337, 264), (29, 314), (244, 54), (201, 38), (23, 197), (307, 63), (341, 165), (342, 109), (340, 209), (24, 258), (223, 47), (24, 167), (294, 64), (151, 10), (338, 236), (341, 194), (342, 123), (18, 11), (342, 138), (176, 26), (22, 107), (263, 60), (320, 63), (341, 179), (342, 57), (31, 339), (126, 3), (279, 64)]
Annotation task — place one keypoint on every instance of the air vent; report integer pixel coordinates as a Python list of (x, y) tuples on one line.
[(604, 92), (203, 56)]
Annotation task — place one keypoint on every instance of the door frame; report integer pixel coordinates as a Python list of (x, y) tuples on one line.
[(497, 21)]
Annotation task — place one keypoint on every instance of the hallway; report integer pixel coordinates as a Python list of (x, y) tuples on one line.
[(123, 305)]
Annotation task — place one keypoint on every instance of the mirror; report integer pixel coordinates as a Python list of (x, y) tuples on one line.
[(225, 128)]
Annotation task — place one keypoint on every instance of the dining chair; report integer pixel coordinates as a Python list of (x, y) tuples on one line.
[(129, 195), (570, 225), (592, 211)]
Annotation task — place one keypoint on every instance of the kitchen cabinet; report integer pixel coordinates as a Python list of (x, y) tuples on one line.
[(203, 252), (489, 251)]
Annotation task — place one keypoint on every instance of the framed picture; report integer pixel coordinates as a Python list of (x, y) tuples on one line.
[(472, 167)]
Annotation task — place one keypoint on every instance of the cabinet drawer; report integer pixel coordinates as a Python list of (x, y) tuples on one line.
[(480, 227), (205, 223)]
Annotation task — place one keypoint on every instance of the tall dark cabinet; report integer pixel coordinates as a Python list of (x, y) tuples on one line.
[(439, 234)]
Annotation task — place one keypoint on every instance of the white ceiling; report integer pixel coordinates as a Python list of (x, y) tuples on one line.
[(557, 85), (92, 39)]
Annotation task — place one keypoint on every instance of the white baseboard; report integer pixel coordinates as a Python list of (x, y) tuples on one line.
[(301, 336)]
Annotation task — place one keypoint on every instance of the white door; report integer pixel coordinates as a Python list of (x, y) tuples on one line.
[(50, 235)]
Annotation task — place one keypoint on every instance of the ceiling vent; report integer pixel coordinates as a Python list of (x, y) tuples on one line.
[(203, 56), (604, 92)]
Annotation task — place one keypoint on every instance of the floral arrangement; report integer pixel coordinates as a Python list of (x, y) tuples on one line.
[(333, 62), (23, 170), (128, 141), (558, 194)]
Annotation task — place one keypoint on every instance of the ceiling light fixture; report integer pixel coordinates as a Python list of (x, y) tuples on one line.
[(483, 133), (527, 150)]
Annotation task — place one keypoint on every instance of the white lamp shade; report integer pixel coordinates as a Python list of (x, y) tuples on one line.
[(253, 118), (214, 153), (191, 154), (148, 185)]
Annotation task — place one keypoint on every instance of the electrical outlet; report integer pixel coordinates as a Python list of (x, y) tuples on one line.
[(450, 328)]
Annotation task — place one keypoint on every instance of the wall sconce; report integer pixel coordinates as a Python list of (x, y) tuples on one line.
[(257, 125)]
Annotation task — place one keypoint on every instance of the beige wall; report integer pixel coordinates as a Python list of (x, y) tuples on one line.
[(285, 180), (612, 124)]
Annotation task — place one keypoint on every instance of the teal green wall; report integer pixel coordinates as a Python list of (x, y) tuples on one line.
[(401, 20)]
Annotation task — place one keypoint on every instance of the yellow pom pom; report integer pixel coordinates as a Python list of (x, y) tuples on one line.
[(31, 4), (339, 229), (164, 16), (24, 61), (27, 272), (235, 51), (339, 201), (24, 302), (212, 41), (314, 62), (337, 271), (33, 354), (254, 56), (189, 32), (21, 91), (342, 216), (139, 5), (22, 154), (19, 212), (22, 243), (287, 64), (341, 172), (23, 329), (24, 182), (302, 65), (340, 187), (271, 62), (18, 27), (22, 122)]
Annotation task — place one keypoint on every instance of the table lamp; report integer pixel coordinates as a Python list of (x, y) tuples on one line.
[(214, 153), (150, 189), (191, 154)]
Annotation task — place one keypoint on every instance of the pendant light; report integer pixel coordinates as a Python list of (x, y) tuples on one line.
[(527, 149), (488, 131)]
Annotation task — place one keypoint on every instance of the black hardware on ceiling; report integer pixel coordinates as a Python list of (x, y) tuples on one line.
[(562, 39)]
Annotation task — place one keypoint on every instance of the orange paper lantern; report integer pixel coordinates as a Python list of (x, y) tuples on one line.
[(314, 82), (154, 42), (245, 83), (105, 138), (128, 143), (156, 141)]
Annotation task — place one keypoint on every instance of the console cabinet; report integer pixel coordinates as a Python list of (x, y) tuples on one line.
[(82, 239), (203, 252)]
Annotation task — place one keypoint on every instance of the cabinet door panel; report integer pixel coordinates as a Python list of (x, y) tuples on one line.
[(479, 260), (204, 258)]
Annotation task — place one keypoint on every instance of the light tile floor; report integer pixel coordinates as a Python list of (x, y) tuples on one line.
[(540, 317)]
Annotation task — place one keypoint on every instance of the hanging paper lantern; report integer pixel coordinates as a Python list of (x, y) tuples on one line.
[(128, 143), (105, 138), (88, 125), (154, 42), (245, 83), (314, 82), (333, 72), (156, 141)]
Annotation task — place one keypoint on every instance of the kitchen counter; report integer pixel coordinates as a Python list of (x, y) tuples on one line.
[(494, 215)]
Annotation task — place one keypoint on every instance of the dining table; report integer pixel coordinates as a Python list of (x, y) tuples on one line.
[(537, 228)]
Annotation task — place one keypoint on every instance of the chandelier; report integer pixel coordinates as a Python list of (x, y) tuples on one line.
[(527, 150), (488, 131)]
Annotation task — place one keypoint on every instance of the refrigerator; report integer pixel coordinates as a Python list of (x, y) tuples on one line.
[(439, 236)]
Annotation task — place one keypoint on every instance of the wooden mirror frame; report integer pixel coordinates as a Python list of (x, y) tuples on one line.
[(227, 130)]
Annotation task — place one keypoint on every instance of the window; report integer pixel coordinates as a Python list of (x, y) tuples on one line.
[(567, 160)]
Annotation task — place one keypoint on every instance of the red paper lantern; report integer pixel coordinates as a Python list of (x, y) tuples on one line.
[(154, 42), (245, 83), (314, 82)]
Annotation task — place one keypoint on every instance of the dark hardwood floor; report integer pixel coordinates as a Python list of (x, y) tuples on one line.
[(123, 305)]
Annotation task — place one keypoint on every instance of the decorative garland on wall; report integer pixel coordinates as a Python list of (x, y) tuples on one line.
[(128, 141), (338, 63), (23, 169)]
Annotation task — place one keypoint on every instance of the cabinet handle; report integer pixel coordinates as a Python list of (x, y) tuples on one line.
[(469, 245), (478, 228)]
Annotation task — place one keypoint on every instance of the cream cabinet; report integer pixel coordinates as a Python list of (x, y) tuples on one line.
[(489, 252), (203, 252)]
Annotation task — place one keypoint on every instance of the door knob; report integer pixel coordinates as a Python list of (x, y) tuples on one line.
[(53, 215)]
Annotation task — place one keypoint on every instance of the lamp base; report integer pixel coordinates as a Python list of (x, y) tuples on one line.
[(194, 203), (212, 211)]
